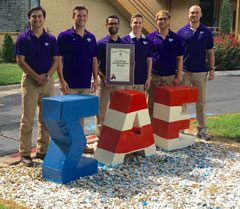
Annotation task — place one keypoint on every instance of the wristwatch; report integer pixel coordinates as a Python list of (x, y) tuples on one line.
[(212, 68)]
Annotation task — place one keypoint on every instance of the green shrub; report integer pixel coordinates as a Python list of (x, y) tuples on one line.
[(227, 52), (8, 49)]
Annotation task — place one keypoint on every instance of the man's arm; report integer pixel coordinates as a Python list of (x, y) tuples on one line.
[(41, 79), (54, 66), (211, 60), (177, 80), (62, 83), (95, 74), (149, 70)]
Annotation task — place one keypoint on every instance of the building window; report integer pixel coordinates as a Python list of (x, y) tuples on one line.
[(13, 15)]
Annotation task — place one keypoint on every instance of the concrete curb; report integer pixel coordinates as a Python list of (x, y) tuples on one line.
[(217, 73), (15, 158), (18, 86), (227, 73)]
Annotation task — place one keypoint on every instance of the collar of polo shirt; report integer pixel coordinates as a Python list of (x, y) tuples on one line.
[(132, 36)]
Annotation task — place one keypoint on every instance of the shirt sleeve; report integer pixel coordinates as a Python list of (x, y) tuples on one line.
[(54, 50), (20, 46), (150, 49), (60, 43), (180, 47), (100, 51), (95, 50), (210, 41)]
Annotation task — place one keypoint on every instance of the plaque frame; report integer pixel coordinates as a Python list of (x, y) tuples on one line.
[(127, 72)]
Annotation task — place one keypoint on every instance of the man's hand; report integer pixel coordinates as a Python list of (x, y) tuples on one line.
[(147, 83), (94, 86), (102, 77), (42, 79), (176, 81), (211, 75), (64, 86)]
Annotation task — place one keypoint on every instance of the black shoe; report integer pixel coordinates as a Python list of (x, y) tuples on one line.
[(27, 161), (203, 134), (40, 156), (88, 150)]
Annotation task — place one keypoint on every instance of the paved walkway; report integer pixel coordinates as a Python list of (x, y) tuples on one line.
[(215, 102)]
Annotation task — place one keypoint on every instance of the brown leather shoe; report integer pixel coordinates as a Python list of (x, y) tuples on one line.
[(27, 161), (88, 150), (40, 156)]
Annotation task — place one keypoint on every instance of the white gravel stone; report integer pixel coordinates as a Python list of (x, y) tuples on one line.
[(201, 176)]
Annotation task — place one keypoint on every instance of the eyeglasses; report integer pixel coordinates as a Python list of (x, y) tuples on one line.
[(195, 13), (113, 23), (163, 19)]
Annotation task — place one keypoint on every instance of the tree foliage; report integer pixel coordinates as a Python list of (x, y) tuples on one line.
[(225, 17)]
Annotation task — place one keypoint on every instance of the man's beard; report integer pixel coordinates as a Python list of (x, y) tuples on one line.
[(112, 31)]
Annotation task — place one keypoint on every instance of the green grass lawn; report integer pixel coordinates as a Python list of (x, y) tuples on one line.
[(10, 74), (225, 126)]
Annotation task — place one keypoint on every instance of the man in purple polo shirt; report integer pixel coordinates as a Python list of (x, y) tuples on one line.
[(143, 54), (167, 56), (37, 55), (78, 59), (197, 41), (105, 91)]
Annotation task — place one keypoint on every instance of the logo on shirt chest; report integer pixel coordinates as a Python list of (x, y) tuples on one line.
[(145, 42), (170, 39), (89, 39), (201, 32), (46, 44)]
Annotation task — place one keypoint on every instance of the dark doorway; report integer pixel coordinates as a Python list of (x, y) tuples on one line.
[(207, 10)]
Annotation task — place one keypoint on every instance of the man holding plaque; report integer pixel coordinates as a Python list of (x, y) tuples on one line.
[(143, 54), (78, 59), (167, 56), (105, 91)]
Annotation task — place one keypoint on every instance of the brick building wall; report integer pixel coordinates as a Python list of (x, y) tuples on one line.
[(59, 16)]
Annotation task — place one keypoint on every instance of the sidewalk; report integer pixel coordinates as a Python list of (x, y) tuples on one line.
[(214, 93), (217, 73)]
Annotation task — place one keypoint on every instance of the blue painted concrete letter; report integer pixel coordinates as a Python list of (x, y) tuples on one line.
[(64, 161)]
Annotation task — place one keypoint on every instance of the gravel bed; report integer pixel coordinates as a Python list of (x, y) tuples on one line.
[(201, 176)]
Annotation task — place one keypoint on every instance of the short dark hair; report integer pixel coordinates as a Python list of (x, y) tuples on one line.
[(79, 8), (112, 16), (135, 16), (36, 8)]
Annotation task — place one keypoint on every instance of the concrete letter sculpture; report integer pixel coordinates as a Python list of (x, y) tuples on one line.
[(168, 118), (127, 128), (64, 161)]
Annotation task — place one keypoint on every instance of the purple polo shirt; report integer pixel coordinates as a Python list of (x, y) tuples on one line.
[(196, 44), (38, 52), (77, 53), (165, 52), (101, 45), (143, 50)]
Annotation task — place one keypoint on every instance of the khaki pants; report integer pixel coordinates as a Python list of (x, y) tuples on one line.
[(31, 99), (80, 91), (198, 80), (104, 93), (157, 80)]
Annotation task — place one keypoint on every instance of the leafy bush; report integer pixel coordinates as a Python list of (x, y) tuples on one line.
[(227, 52), (8, 49)]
